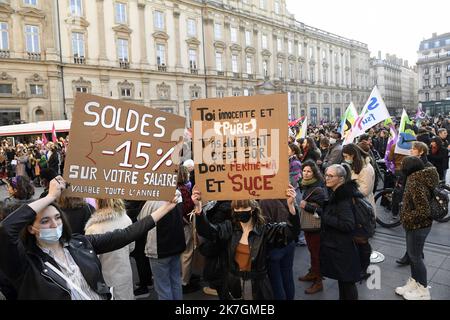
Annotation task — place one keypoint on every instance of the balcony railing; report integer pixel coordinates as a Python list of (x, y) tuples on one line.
[(4, 54), (79, 60), (220, 73), (236, 75), (194, 71), (124, 64), (162, 67), (34, 56), (251, 76)]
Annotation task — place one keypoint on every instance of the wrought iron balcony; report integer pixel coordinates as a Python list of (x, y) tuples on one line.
[(162, 67), (124, 64), (79, 60), (34, 56), (4, 54)]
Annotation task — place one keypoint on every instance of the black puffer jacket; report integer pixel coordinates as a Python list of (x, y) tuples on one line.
[(339, 258), (24, 266), (260, 238)]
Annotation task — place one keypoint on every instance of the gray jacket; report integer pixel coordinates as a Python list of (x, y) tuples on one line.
[(334, 155)]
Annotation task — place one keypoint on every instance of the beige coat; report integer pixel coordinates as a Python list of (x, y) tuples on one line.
[(116, 266), (366, 180)]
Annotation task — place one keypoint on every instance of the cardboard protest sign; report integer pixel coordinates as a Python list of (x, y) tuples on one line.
[(240, 147), (122, 150)]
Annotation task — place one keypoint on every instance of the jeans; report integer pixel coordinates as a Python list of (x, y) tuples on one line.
[(167, 277), (415, 241), (280, 272), (313, 242)]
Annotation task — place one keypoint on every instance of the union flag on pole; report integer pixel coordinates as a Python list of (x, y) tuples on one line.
[(54, 138)]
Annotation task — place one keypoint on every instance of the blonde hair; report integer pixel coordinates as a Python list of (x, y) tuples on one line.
[(115, 204)]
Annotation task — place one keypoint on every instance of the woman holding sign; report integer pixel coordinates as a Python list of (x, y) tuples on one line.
[(248, 238), (42, 258)]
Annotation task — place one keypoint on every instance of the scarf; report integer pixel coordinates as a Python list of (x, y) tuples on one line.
[(306, 183)]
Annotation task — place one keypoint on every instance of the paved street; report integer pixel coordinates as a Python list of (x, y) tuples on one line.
[(389, 242)]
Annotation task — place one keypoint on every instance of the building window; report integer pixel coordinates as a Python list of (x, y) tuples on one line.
[(426, 45), (78, 47), (5, 89), (290, 47), (265, 68), (122, 49), (427, 96), (300, 50), (234, 63), (448, 67), (81, 89), (4, 36), (248, 38), (125, 92), (280, 70), (160, 54), (217, 31), (219, 61), (311, 53), (325, 80), (233, 34), (220, 92), (76, 8), (121, 12), (311, 73), (291, 71), (438, 96), (437, 81), (437, 44), (236, 92), (448, 94), (438, 70), (32, 37), (193, 59), (264, 41), (192, 28), (245, 92), (313, 113), (324, 56), (249, 65), (158, 19), (277, 6), (448, 80), (427, 70), (195, 91), (30, 2), (36, 89), (279, 44), (427, 82), (262, 4)]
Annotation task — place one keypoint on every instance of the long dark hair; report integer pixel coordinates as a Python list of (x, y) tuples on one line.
[(295, 149), (315, 169), (358, 154), (30, 239), (23, 189)]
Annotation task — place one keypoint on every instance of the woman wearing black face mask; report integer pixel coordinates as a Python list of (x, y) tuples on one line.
[(248, 238)]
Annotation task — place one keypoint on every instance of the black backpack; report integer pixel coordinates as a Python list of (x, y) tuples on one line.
[(439, 203), (364, 217)]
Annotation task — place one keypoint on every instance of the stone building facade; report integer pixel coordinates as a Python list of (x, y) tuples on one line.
[(434, 74), (163, 54)]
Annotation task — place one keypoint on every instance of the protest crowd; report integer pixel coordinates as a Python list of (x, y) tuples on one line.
[(242, 249)]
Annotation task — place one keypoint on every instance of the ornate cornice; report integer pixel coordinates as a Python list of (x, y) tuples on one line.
[(250, 50), (220, 44), (193, 41), (161, 35), (35, 78), (292, 58), (78, 21), (32, 13), (266, 53), (6, 8), (281, 55), (235, 47), (123, 29), (6, 77), (301, 59)]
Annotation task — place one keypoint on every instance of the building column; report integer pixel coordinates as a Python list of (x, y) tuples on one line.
[(104, 85), (101, 31), (257, 61), (180, 97), (143, 44), (146, 91), (176, 18), (56, 107)]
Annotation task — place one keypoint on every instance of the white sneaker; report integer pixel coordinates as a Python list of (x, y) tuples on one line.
[(411, 284), (420, 293)]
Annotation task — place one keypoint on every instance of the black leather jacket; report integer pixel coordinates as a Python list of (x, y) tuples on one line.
[(260, 240), (25, 267)]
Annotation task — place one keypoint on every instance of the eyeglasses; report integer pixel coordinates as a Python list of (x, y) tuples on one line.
[(330, 176)]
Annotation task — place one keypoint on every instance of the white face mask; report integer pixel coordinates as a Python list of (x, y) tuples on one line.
[(50, 235), (332, 140)]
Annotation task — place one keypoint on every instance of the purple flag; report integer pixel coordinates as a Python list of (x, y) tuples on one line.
[(393, 137)]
